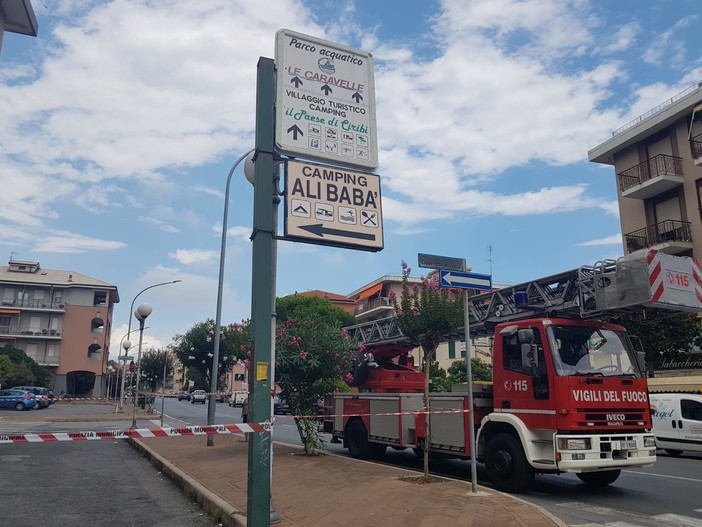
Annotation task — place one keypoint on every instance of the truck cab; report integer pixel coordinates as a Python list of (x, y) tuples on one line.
[(573, 394)]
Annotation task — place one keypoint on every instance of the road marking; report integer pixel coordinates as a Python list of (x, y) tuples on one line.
[(587, 508), (675, 520), (664, 476), (13, 458), (669, 520)]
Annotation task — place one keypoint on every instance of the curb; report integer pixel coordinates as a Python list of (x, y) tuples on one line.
[(208, 500)]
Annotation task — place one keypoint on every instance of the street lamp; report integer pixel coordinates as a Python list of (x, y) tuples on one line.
[(129, 330), (143, 311), (212, 403)]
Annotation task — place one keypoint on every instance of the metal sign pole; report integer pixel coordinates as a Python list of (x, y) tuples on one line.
[(469, 374), (262, 294)]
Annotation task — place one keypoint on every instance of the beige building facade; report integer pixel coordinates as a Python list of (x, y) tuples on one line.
[(657, 160), (61, 319)]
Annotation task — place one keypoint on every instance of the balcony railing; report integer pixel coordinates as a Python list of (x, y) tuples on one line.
[(14, 330), (664, 232), (660, 165), (382, 301), (34, 303), (696, 146)]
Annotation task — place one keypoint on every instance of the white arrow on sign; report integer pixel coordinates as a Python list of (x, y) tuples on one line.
[(480, 282)]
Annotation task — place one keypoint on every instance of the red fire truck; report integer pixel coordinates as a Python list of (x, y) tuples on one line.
[(568, 392)]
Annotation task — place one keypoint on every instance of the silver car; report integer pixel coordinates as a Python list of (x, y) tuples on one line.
[(198, 396)]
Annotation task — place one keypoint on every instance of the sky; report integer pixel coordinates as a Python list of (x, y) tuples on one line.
[(121, 120)]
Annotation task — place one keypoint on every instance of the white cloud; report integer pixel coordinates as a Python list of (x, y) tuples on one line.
[(614, 239), (162, 226), (667, 46), (60, 242), (194, 256)]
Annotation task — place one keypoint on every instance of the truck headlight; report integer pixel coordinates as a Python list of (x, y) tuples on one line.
[(566, 443), (649, 442)]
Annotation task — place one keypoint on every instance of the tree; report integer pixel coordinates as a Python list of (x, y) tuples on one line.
[(25, 371), (480, 371), (426, 313), (152, 364), (663, 337), (195, 350), (312, 355)]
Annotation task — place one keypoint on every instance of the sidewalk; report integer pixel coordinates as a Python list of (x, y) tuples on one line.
[(312, 491)]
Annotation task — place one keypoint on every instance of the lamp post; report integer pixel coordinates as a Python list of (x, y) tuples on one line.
[(212, 403), (143, 311), (129, 330), (163, 395)]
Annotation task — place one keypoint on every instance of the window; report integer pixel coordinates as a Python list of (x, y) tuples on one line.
[(100, 298), (5, 321), (238, 376), (97, 325), (512, 352), (451, 350), (690, 409)]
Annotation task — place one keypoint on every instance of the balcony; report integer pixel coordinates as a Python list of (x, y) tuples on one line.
[(374, 307), (652, 177), (670, 236), (696, 149), (14, 331), (33, 304)]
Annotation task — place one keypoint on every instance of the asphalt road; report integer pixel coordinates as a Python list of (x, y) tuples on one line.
[(92, 483), (665, 495)]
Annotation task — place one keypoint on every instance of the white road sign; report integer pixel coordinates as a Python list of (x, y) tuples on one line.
[(333, 206), (325, 101)]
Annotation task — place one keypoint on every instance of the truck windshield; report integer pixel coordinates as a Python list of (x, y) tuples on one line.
[(583, 350)]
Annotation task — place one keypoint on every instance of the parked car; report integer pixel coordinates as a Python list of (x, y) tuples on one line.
[(183, 396), (237, 398), (198, 396), (219, 397), (677, 422), (18, 399), (40, 394)]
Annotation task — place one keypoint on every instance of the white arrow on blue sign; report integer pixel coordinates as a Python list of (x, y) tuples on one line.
[(480, 282)]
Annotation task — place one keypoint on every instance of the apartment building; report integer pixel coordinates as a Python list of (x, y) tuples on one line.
[(657, 160), (61, 319)]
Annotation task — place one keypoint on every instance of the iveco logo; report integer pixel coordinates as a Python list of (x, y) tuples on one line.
[(616, 417)]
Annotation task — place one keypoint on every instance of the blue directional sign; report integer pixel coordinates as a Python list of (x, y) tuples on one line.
[(479, 282)]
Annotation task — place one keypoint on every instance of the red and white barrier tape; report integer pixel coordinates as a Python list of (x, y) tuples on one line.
[(181, 431)]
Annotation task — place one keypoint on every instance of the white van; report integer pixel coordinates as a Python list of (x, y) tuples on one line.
[(677, 421)]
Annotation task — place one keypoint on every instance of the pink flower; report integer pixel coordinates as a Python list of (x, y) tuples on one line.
[(349, 377), (247, 363), (303, 354)]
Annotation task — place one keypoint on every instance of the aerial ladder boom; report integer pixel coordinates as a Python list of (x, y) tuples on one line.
[(650, 279)]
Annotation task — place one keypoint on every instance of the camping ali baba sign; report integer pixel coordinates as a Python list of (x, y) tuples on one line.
[(334, 206)]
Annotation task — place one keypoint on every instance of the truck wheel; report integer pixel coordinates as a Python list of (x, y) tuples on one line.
[(599, 479), (357, 441), (674, 453), (507, 465)]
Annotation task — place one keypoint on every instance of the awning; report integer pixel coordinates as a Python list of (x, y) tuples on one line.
[(10, 311), (687, 384), (370, 291)]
